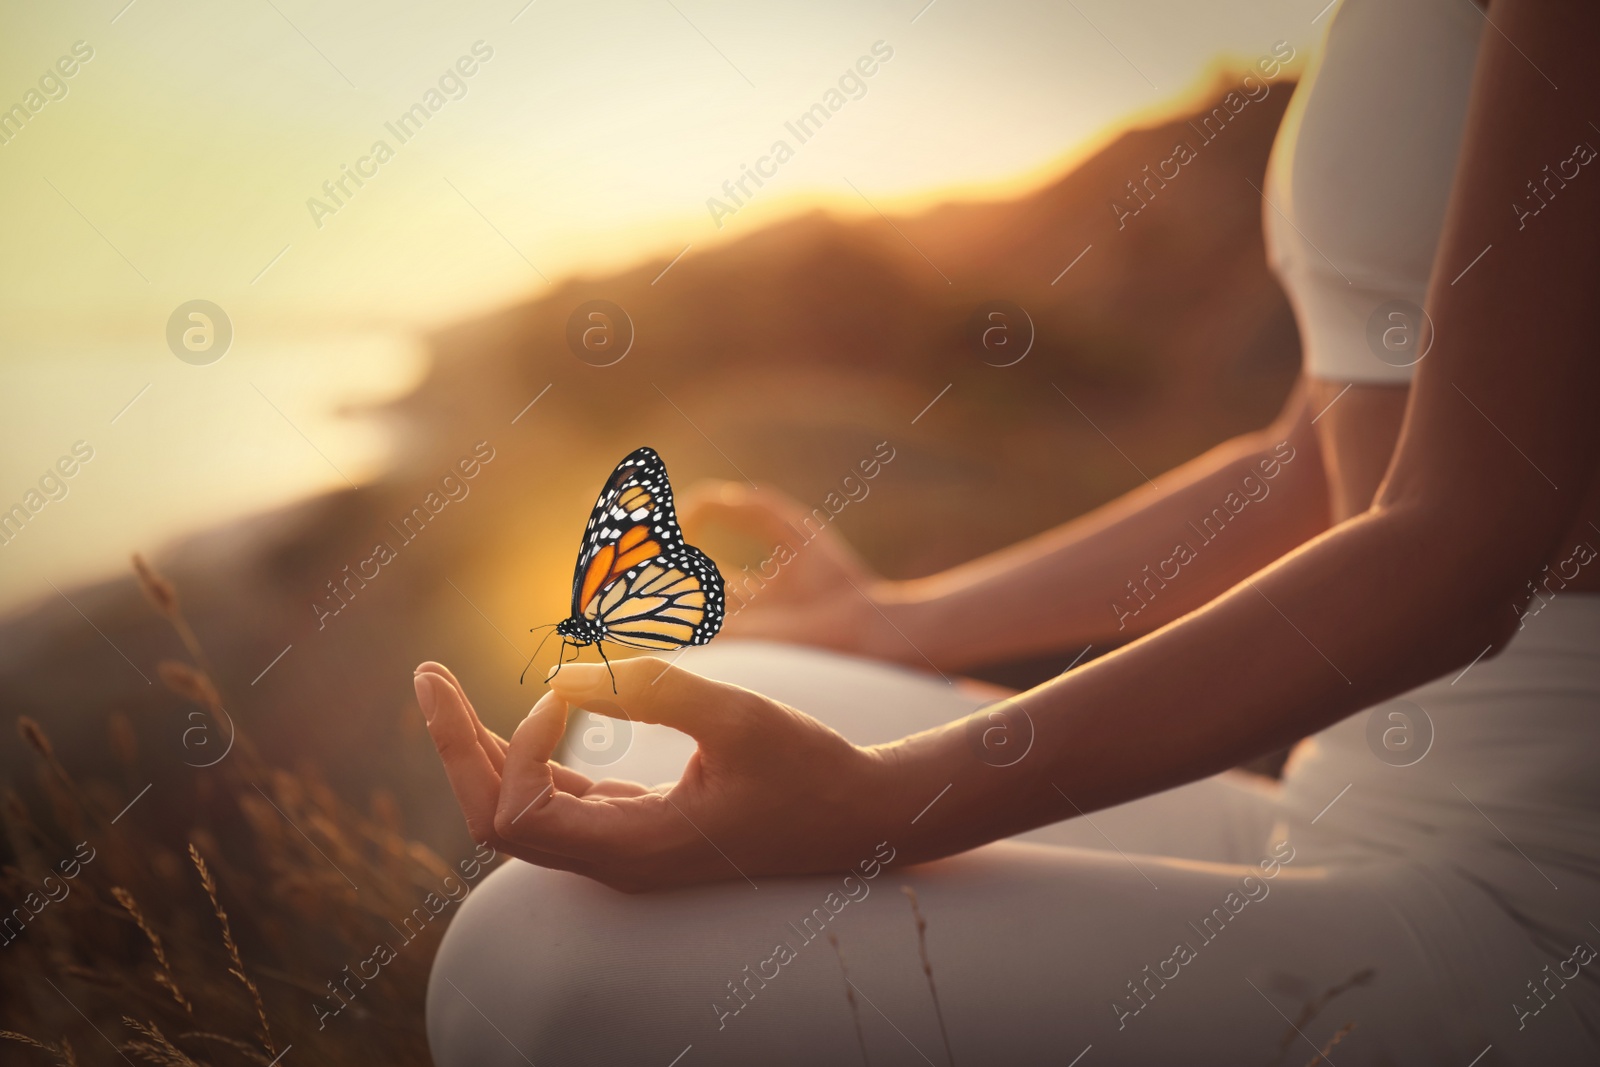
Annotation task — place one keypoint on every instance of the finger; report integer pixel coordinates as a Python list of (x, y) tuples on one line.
[(597, 829), (762, 513), (594, 827), (616, 787), (547, 717), (494, 742), (571, 781), (529, 780), (473, 778), (494, 746), (476, 783), (651, 690)]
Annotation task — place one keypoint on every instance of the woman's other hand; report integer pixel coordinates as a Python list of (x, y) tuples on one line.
[(812, 587), (769, 790)]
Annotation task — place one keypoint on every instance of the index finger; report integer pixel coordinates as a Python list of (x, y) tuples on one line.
[(494, 746), (473, 778)]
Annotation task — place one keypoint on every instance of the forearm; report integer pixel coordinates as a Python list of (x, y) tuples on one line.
[(1129, 567), (1498, 452), (1369, 610)]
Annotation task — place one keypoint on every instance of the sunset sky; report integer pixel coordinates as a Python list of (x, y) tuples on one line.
[(195, 136), (177, 163)]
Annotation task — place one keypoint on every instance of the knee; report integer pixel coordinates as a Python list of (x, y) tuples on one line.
[(508, 967)]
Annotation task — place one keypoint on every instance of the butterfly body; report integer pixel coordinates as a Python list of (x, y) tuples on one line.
[(581, 631), (637, 582)]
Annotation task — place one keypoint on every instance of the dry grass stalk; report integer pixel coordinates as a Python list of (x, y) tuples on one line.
[(24, 1039), (427, 859), (248, 1051), (31, 732), (187, 682), (850, 998), (25, 838), (197, 687), (156, 1048), (291, 910), (16, 811), (70, 800), (164, 598), (63, 1053), (1333, 1042), (92, 976), (196, 684), (164, 976), (927, 968), (237, 970)]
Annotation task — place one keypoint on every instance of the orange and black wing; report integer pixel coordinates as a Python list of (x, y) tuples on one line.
[(666, 602), (635, 574)]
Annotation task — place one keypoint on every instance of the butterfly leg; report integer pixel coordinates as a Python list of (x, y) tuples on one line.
[(561, 658), (602, 650)]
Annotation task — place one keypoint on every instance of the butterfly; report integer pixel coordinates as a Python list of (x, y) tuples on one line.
[(637, 582)]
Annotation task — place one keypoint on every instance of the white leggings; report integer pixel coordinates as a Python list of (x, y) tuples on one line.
[(1212, 924)]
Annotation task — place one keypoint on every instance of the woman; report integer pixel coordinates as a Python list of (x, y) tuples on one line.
[(1416, 597)]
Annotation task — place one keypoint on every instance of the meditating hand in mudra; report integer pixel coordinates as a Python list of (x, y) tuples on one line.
[(1420, 569), (755, 757)]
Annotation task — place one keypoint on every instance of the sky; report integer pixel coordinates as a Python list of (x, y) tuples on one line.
[(185, 158)]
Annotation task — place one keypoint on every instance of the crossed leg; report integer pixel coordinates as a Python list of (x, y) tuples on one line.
[(1151, 932)]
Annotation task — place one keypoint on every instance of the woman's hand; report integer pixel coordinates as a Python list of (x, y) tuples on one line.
[(769, 790), (812, 592)]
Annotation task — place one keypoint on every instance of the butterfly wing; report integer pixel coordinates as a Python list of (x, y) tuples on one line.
[(635, 575), (632, 521), (667, 602)]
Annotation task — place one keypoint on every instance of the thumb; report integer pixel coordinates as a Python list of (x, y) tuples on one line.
[(651, 690)]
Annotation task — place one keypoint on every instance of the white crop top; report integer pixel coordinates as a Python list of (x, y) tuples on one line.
[(1359, 177)]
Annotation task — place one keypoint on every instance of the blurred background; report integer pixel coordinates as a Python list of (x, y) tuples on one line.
[(361, 335)]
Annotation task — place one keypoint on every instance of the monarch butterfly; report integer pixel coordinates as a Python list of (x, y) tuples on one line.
[(637, 583)]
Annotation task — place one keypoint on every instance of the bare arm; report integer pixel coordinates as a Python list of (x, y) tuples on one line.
[(1133, 565), (1107, 577), (1498, 449)]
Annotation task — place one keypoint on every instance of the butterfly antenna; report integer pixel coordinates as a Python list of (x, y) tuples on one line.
[(535, 655), (602, 650)]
